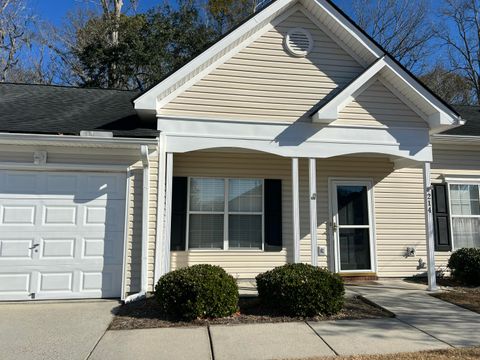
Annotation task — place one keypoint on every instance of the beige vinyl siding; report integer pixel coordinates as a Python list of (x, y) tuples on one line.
[(398, 202), (264, 82), (378, 106), (125, 157), (241, 264), (398, 211), (453, 160)]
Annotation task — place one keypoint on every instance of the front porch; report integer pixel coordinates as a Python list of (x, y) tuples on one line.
[(320, 225)]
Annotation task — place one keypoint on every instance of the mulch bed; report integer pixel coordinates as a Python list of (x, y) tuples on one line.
[(441, 281), (145, 314), (468, 298)]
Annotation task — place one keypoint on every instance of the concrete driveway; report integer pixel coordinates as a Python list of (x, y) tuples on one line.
[(62, 330)]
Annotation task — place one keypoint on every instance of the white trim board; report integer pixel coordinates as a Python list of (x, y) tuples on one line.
[(301, 139)]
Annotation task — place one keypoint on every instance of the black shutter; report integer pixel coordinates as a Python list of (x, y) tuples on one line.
[(441, 218), (273, 215), (179, 213)]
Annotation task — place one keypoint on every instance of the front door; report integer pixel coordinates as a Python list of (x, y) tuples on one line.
[(351, 226)]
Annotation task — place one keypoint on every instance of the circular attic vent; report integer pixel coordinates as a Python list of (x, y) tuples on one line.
[(299, 42)]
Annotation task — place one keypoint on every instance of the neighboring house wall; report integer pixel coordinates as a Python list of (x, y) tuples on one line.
[(97, 155), (264, 82), (398, 204)]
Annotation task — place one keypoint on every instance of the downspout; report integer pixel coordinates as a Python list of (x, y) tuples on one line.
[(145, 217)]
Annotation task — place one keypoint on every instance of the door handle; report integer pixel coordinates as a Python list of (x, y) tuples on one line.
[(34, 246)]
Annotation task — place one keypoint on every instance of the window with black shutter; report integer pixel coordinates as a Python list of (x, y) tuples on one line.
[(441, 218)]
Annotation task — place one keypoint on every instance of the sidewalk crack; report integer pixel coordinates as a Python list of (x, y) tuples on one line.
[(321, 338), (211, 342)]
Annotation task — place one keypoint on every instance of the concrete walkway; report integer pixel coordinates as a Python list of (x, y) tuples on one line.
[(52, 330), (412, 305), (78, 331)]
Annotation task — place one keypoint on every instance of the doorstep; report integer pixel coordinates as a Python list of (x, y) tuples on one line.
[(366, 276)]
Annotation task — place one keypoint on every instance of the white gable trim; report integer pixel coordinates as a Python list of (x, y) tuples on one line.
[(148, 100), (330, 111), (439, 118)]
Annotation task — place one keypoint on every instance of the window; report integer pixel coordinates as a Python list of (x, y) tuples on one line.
[(225, 214), (465, 212)]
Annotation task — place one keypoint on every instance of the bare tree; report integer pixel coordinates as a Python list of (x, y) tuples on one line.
[(461, 38), (402, 27), (15, 35)]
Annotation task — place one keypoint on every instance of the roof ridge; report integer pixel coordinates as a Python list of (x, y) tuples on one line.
[(66, 86)]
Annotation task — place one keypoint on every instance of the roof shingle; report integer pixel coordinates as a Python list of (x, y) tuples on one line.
[(45, 109)]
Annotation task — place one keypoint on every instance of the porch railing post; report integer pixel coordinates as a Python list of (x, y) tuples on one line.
[(168, 213), (312, 167), (427, 185), (296, 211)]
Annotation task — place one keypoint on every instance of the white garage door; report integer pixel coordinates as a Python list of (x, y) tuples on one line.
[(61, 235)]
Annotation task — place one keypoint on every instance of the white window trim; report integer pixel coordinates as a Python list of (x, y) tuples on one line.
[(226, 213), (476, 182)]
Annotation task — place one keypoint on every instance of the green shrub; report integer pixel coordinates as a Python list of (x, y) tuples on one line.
[(465, 266), (199, 291), (301, 290)]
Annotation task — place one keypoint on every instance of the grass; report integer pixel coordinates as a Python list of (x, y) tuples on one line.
[(145, 314), (453, 354)]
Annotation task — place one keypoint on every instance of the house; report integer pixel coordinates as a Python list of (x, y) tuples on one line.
[(294, 138)]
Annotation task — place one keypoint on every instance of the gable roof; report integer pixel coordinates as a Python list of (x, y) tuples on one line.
[(342, 27), (45, 109)]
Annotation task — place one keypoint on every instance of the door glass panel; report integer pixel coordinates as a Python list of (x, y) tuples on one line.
[(354, 249), (352, 205)]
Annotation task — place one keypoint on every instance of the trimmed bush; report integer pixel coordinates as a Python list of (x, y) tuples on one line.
[(465, 266), (199, 291), (301, 290)]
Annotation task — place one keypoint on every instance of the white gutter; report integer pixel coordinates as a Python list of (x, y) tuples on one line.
[(145, 217), (18, 138)]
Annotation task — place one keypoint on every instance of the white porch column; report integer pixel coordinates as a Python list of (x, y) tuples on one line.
[(312, 168), (427, 185), (168, 213), (296, 211), (160, 231)]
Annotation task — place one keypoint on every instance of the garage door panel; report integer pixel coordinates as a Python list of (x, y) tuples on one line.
[(17, 215), (64, 242), (59, 215), (55, 281), (54, 248), (14, 283), (16, 248)]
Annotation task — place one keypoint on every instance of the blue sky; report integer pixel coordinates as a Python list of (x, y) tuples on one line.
[(55, 10)]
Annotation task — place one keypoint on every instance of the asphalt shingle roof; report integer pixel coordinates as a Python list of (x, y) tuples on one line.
[(471, 114), (43, 109), (47, 109)]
